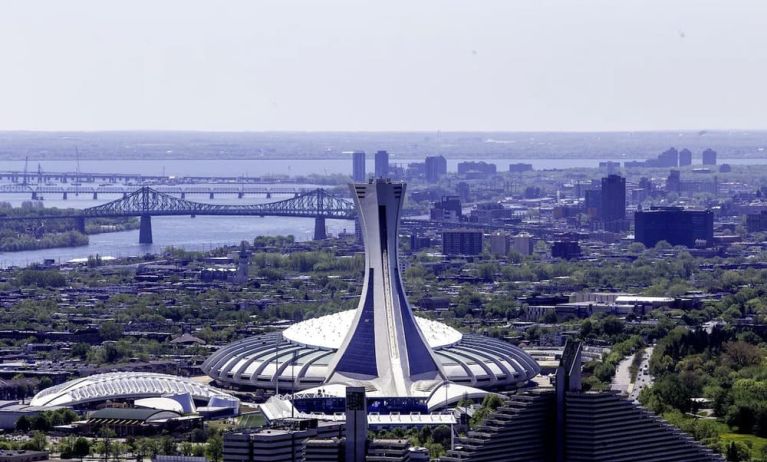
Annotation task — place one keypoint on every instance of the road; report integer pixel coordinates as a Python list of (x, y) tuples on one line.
[(644, 379), (622, 380)]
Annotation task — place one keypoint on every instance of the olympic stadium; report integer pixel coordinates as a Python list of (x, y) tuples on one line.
[(405, 363)]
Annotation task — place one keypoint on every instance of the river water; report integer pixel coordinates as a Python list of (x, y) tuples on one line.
[(265, 167), (207, 232), (199, 233)]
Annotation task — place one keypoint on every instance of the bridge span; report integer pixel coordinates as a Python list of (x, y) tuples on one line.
[(147, 202), (65, 191)]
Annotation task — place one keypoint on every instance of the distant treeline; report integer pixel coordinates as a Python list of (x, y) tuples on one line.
[(17, 236)]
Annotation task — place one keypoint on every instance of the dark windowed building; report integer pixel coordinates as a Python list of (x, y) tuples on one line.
[(756, 222), (613, 206), (674, 225), (685, 157), (435, 167), (566, 250), (593, 202), (448, 208), (709, 157), (382, 164), (358, 166), (461, 242)]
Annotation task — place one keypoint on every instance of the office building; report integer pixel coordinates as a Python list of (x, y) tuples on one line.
[(419, 242), (566, 250), (523, 244), (289, 442), (382, 164), (408, 365), (570, 425), (356, 424), (499, 244), (447, 209), (461, 242), (434, 168), (674, 181), (593, 203), (690, 228), (709, 157), (668, 158), (358, 166), (685, 157), (613, 203), (756, 222)]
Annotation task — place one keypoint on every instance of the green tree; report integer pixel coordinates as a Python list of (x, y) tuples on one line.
[(214, 449)]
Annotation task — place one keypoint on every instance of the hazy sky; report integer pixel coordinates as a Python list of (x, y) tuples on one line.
[(384, 65)]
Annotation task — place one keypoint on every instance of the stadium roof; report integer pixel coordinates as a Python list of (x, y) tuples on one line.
[(121, 385)]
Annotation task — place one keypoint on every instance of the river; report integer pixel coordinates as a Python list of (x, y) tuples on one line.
[(199, 233), (265, 167)]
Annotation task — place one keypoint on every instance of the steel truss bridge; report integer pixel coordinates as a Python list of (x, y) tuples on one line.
[(66, 192), (148, 202)]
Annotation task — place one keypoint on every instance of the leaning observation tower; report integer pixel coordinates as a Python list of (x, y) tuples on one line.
[(406, 362)]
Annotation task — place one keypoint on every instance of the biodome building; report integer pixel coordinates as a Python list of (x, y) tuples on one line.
[(400, 359)]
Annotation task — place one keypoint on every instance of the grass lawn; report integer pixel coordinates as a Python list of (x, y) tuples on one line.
[(756, 443)]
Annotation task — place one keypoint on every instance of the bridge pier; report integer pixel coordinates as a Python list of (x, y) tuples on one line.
[(145, 230), (95, 195), (64, 196), (268, 194), (212, 196), (240, 195), (320, 232), (80, 224), (34, 195), (183, 195), (125, 195)]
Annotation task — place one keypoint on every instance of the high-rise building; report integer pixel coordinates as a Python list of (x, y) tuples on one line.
[(358, 166), (709, 157), (674, 225), (593, 203), (499, 244), (756, 222), (522, 244), (382, 164), (613, 206), (356, 424), (685, 157), (461, 242), (674, 181), (435, 167), (668, 158)]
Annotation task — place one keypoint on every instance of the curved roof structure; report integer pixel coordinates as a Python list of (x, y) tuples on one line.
[(306, 349), (121, 385)]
